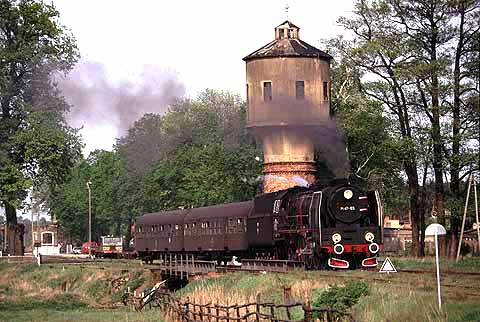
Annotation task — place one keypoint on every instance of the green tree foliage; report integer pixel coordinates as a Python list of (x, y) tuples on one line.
[(373, 152), (70, 202), (104, 170), (36, 145), (197, 176), (415, 61), (197, 154)]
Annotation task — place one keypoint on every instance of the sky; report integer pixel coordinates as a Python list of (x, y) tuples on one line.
[(163, 49)]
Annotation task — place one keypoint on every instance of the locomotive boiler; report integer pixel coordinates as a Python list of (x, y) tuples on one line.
[(337, 225)]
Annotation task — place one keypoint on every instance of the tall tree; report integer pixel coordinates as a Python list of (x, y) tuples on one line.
[(371, 149), (380, 51), (406, 48), (425, 24), (466, 77), (36, 145)]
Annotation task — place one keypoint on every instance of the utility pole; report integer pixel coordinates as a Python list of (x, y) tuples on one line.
[(32, 229), (89, 218)]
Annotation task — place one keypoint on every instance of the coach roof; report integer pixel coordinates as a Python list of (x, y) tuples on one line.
[(165, 217), (236, 209)]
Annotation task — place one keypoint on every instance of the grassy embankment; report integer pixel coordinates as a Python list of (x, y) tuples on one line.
[(397, 297), (70, 293), (49, 293)]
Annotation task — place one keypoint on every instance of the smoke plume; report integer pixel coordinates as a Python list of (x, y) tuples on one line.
[(311, 120), (96, 100)]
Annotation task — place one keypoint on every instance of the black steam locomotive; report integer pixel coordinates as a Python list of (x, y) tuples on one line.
[(335, 225)]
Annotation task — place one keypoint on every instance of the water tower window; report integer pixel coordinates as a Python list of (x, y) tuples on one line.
[(325, 91), (267, 91), (300, 90), (247, 94)]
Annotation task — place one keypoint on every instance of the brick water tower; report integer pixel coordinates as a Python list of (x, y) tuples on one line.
[(288, 98)]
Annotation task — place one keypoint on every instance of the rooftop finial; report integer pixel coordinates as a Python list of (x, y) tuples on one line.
[(286, 9)]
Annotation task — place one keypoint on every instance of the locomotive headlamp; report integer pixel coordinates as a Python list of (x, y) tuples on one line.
[(369, 236), (348, 194), (336, 238)]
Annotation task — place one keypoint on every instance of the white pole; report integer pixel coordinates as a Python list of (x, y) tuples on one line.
[(438, 272), (464, 217), (476, 211)]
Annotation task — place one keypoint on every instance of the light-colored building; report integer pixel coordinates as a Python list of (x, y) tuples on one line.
[(288, 98), (47, 239)]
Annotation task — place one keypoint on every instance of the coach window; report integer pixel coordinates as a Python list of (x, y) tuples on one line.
[(239, 225)]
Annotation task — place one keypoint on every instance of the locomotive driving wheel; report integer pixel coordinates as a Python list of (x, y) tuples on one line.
[(313, 263), (309, 262)]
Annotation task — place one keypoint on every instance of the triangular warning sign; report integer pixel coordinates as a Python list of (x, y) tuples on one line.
[(387, 266)]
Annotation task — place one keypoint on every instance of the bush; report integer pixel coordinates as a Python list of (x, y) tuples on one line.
[(340, 297)]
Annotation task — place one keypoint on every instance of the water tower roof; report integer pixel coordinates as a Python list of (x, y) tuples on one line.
[(287, 23), (287, 43)]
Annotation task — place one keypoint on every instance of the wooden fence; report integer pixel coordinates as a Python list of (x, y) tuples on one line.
[(187, 311)]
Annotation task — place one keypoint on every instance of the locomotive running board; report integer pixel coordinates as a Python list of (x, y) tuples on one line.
[(345, 263)]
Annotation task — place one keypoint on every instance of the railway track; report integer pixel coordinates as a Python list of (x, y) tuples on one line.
[(248, 265), (183, 267), (442, 272)]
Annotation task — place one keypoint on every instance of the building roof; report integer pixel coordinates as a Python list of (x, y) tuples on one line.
[(285, 45), (287, 23)]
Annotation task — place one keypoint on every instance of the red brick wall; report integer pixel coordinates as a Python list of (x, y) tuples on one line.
[(283, 175)]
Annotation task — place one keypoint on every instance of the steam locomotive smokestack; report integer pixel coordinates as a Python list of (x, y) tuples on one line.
[(288, 97)]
